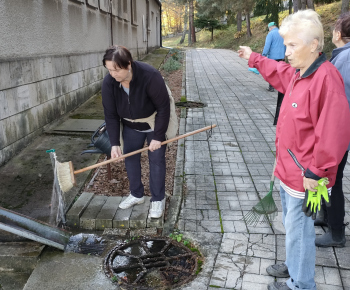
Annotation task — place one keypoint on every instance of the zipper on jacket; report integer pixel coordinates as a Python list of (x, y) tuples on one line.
[(296, 161), (291, 90)]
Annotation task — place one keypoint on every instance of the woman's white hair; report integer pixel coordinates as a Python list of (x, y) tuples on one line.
[(306, 24)]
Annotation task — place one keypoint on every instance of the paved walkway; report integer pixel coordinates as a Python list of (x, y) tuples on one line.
[(225, 175)]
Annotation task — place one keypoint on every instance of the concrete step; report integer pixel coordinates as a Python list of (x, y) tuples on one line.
[(19, 256), (101, 212), (78, 208), (13, 281)]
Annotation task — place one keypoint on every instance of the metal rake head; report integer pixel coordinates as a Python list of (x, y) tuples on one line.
[(263, 212), (253, 217)]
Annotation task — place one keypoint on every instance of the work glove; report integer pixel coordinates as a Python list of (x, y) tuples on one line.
[(312, 200)]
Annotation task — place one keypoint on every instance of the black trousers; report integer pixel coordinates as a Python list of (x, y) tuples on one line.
[(280, 97), (334, 215), (134, 140)]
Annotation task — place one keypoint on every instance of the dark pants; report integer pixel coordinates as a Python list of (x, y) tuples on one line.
[(134, 140), (334, 215), (280, 97)]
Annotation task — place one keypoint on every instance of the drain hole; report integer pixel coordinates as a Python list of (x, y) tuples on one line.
[(151, 263), (190, 104)]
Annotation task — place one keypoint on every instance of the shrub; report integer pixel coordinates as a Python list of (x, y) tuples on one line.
[(171, 65)]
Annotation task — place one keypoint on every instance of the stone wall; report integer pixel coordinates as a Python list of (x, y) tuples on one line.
[(51, 57)]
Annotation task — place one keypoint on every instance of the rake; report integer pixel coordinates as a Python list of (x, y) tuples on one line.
[(266, 209), (66, 174)]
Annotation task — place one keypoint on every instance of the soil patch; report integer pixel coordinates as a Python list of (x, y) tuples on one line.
[(118, 185)]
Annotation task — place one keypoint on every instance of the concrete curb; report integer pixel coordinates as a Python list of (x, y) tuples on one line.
[(176, 198)]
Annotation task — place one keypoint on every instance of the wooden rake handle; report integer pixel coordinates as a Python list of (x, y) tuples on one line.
[(143, 149)]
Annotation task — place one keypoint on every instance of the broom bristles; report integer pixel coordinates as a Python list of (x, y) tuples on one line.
[(64, 176)]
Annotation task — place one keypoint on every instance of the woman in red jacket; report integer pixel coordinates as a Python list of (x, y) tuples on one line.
[(311, 138)]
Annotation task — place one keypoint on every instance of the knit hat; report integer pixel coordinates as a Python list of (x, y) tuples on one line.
[(271, 24)]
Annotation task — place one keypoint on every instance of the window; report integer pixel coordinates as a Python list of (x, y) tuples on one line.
[(133, 12)]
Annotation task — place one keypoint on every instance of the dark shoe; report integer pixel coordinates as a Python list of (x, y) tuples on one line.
[(278, 270), (332, 238), (278, 286), (270, 89), (320, 219)]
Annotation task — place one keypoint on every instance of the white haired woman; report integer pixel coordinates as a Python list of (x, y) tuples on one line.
[(311, 138)]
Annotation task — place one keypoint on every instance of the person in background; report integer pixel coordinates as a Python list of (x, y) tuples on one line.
[(131, 91), (310, 137), (333, 216), (274, 49)]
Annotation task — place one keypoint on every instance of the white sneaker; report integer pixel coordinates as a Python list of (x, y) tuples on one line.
[(157, 208), (130, 201)]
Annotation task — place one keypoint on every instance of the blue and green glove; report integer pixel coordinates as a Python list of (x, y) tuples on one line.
[(312, 200)]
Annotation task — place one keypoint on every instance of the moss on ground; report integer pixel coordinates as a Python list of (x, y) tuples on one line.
[(91, 109), (156, 57)]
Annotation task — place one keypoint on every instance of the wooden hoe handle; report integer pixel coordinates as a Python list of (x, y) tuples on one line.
[(143, 149)]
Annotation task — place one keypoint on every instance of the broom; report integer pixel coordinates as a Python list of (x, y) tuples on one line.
[(66, 174), (266, 209)]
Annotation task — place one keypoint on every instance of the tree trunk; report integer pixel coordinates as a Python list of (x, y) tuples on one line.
[(290, 4), (239, 21), (190, 23), (212, 33), (344, 6), (303, 4), (247, 18), (310, 4), (193, 32), (295, 6), (185, 26)]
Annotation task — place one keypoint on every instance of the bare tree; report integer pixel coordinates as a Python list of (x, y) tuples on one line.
[(247, 18), (303, 4), (239, 21), (192, 28), (310, 4), (296, 5), (185, 25), (344, 6)]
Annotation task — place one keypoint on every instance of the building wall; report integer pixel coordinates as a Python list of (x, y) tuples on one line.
[(51, 58)]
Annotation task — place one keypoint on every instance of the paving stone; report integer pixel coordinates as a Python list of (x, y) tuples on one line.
[(75, 212), (122, 217), (332, 276), (233, 280), (143, 232), (155, 223), (88, 219), (345, 276), (343, 257), (218, 278), (115, 232), (105, 218), (139, 214)]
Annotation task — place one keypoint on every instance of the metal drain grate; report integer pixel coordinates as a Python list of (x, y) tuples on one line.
[(151, 263)]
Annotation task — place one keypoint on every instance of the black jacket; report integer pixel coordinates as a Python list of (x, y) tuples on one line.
[(147, 94)]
